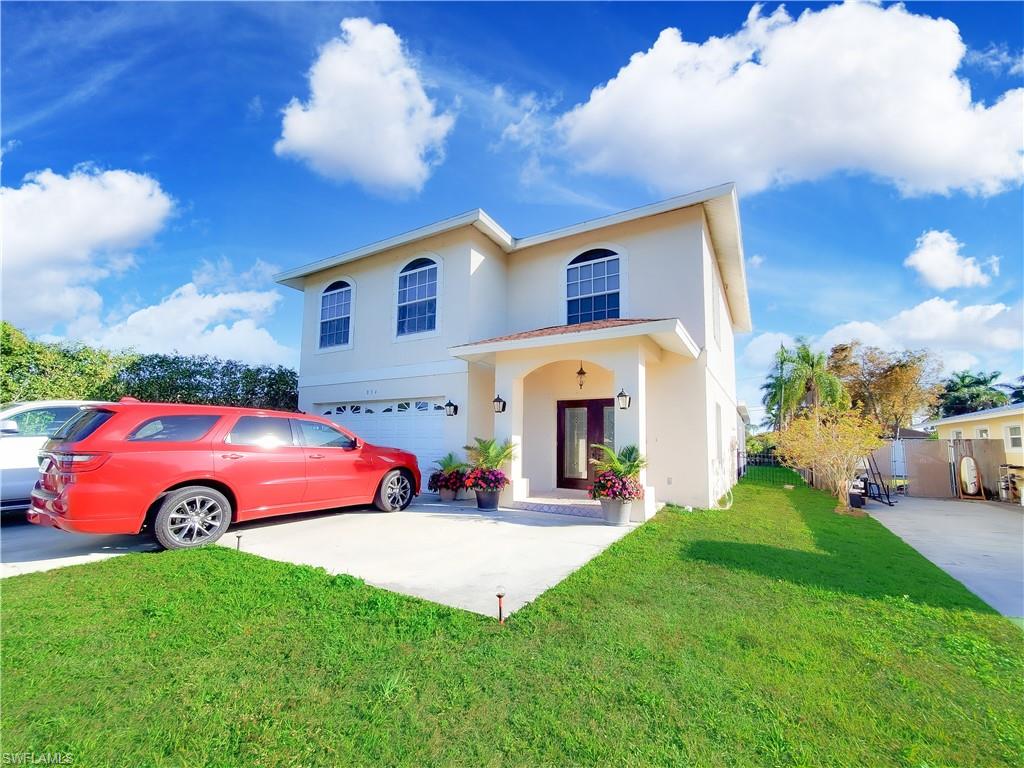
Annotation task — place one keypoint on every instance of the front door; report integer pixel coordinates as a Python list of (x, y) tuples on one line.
[(581, 424)]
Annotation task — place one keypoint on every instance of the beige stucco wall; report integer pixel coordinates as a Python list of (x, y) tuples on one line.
[(660, 258), (997, 427)]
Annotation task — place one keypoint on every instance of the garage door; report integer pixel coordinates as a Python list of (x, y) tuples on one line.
[(416, 426)]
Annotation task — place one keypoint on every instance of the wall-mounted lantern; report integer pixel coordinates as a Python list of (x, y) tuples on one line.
[(581, 375), (499, 404), (624, 400), (451, 409)]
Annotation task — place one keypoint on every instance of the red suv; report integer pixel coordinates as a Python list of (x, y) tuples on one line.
[(187, 472)]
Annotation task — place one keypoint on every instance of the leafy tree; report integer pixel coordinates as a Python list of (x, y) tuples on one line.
[(35, 370), (206, 380), (800, 378), (832, 441), (1015, 388), (892, 386), (967, 392)]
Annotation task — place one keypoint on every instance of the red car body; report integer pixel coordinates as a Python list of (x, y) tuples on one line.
[(108, 477)]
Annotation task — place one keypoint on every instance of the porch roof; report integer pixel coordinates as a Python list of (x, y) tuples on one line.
[(668, 333)]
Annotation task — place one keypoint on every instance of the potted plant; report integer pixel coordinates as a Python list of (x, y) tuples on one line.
[(448, 478), (485, 475), (617, 482)]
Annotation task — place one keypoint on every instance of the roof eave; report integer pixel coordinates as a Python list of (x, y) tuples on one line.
[(669, 334)]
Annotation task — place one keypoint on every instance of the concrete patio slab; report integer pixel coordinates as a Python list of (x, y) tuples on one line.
[(981, 544), (451, 553)]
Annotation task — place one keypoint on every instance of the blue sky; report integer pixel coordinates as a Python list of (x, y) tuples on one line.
[(155, 175)]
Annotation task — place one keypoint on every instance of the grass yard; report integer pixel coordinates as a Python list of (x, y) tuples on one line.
[(776, 633)]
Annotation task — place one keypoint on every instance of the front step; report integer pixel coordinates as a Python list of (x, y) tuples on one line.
[(576, 507)]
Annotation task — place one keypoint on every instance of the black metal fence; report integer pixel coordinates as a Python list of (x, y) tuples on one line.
[(766, 468)]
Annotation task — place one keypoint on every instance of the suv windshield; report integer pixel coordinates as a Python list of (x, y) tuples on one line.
[(82, 425)]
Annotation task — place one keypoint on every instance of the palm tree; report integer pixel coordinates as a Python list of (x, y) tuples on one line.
[(1015, 388), (811, 378), (967, 392), (800, 378)]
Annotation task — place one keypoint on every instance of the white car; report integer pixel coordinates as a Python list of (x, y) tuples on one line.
[(24, 427)]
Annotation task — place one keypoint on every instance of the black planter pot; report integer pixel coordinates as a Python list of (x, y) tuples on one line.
[(487, 499)]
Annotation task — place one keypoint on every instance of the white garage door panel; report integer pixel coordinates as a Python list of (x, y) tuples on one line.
[(416, 426)]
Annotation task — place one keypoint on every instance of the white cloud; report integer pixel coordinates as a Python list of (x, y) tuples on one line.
[(756, 260), (760, 351), (222, 275), (62, 234), (368, 118), (959, 334), (855, 87), (225, 324), (938, 259), (997, 59)]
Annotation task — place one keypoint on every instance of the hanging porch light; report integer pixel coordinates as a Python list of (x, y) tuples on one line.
[(623, 399), (581, 375)]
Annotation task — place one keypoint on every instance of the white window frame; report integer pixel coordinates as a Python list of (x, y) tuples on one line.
[(439, 265), (351, 315), (1008, 436), (979, 430), (956, 434), (620, 254)]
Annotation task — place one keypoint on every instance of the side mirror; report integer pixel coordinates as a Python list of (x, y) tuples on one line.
[(9, 427)]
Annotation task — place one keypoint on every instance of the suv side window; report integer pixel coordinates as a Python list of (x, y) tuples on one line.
[(43, 422), (261, 431), (317, 435), (176, 429)]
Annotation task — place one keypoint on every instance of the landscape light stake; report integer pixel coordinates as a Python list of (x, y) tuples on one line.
[(501, 607), (238, 542)]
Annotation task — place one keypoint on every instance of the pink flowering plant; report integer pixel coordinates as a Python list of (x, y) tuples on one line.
[(451, 480), (608, 485), (618, 474), (482, 479)]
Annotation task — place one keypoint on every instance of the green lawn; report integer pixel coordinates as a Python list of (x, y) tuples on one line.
[(776, 633)]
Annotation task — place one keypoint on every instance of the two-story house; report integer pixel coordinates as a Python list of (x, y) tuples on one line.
[(618, 330)]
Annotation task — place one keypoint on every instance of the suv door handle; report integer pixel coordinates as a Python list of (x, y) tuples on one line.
[(231, 455), (316, 456)]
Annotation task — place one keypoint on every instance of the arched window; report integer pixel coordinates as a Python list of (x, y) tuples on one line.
[(335, 314), (592, 286), (417, 297)]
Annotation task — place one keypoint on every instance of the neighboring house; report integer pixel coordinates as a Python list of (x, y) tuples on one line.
[(534, 338), (1004, 423)]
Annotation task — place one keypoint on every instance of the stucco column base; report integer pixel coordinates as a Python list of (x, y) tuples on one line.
[(518, 488), (644, 509)]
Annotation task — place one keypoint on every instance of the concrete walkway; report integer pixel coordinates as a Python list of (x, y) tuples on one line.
[(979, 543)]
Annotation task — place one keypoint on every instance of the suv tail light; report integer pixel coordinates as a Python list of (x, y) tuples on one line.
[(79, 462)]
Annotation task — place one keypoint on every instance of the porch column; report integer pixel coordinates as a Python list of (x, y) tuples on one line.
[(509, 426), (631, 423)]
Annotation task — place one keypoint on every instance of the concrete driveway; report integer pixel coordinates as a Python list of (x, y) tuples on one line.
[(981, 544), (453, 553), (26, 548)]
